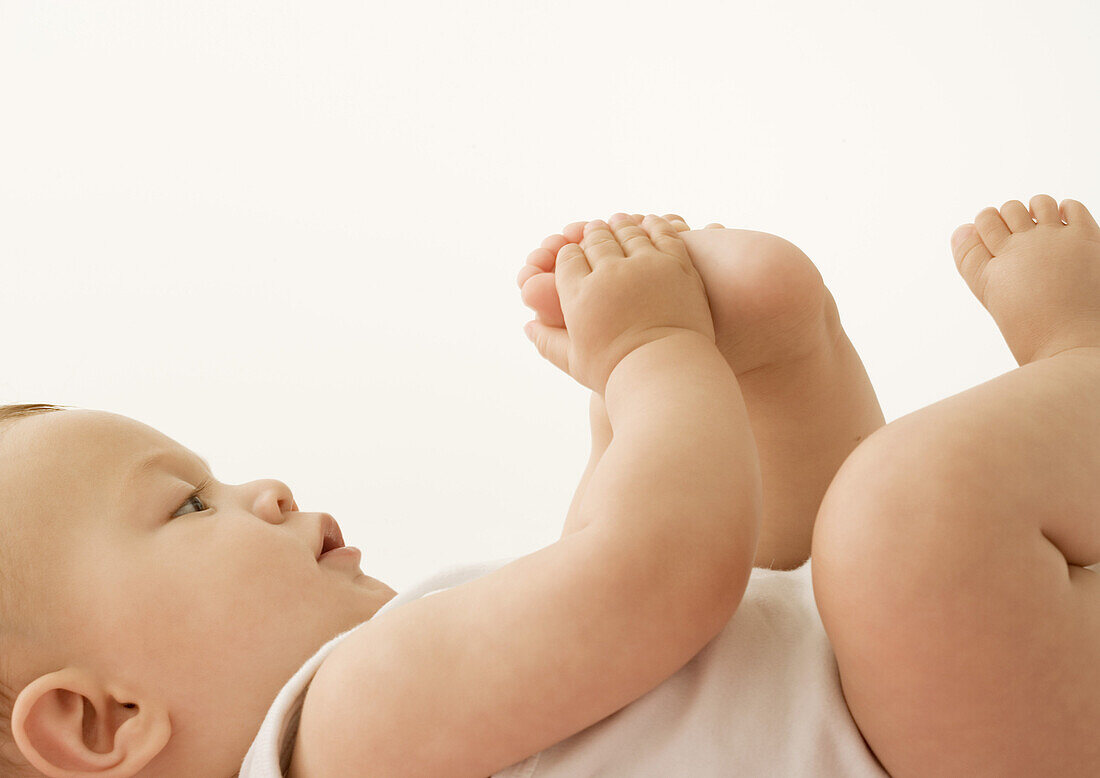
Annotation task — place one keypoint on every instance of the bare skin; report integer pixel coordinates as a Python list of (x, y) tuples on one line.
[(950, 552), (165, 608), (809, 399), (951, 547)]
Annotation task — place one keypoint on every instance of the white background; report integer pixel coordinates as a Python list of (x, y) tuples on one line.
[(287, 234)]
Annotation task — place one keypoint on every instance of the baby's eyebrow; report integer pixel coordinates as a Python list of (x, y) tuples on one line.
[(156, 458)]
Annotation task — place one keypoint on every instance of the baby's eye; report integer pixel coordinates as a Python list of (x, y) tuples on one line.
[(192, 500), (195, 499)]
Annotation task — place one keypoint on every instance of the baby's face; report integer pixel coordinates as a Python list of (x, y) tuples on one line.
[(172, 622)]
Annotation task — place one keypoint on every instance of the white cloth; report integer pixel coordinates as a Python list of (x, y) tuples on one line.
[(763, 698)]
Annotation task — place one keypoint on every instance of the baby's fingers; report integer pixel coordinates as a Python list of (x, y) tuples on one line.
[(675, 220), (678, 222), (666, 237), (552, 343), (570, 268), (574, 231)]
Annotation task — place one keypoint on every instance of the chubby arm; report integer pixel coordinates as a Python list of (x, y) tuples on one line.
[(472, 679), (682, 471), (601, 439)]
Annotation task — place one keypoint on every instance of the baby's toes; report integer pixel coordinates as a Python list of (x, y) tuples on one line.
[(573, 231), (675, 220), (1077, 215), (525, 272), (540, 293), (1045, 209), (681, 225), (546, 254), (542, 259), (971, 258), (1016, 217), (538, 289), (992, 230)]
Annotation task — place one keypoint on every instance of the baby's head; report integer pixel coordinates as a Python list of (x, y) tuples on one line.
[(144, 631)]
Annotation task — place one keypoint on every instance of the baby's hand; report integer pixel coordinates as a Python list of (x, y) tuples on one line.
[(621, 288)]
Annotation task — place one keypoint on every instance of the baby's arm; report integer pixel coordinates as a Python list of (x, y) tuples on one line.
[(601, 439), (680, 477), (472, 679)]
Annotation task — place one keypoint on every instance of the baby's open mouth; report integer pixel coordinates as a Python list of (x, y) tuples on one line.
[(331, 537)]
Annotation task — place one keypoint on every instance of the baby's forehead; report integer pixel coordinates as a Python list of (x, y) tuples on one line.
[(77, 442), (60, 471)]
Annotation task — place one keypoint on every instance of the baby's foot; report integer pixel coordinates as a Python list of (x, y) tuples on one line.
[(536, 278), (1039, 281), (768, 301)]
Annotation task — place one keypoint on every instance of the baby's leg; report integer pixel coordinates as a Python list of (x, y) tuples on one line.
[(949, 552), (807, 394)]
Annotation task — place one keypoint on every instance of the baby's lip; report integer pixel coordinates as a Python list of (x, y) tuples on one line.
[(331, 537)]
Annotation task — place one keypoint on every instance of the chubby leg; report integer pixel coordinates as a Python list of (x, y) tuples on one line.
[(808, 396), (951, 549)]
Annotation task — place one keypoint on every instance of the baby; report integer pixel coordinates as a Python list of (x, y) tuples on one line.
[(153, 615)]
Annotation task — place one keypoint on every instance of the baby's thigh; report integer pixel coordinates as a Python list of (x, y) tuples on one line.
[(964, 646)]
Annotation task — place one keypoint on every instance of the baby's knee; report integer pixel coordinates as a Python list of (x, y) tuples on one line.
[(896, 504), (869, 492)]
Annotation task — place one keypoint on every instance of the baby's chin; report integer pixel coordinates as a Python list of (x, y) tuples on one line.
[(376, 592), (376, 585)]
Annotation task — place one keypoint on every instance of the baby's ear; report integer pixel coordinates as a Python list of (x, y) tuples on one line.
[(69, 722)]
